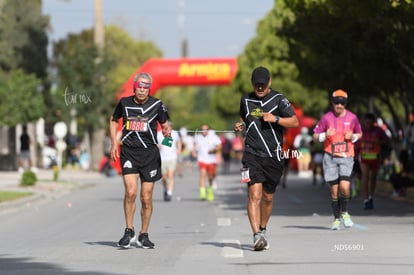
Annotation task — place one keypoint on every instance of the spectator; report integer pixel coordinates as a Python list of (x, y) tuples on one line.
[(302, 144), (403, 176), (409, 134), (25, 153), (317, 160), (186, 158), (226, 148)]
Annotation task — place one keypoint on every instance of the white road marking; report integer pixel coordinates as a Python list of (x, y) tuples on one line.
[(223, 221)]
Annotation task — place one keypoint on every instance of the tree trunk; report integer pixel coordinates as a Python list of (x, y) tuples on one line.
[(97, 148)]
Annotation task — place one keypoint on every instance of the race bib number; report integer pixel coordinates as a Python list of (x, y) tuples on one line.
[(139, 124), (339, 147)]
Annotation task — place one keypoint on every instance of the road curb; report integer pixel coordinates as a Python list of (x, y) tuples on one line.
[(39, 196)]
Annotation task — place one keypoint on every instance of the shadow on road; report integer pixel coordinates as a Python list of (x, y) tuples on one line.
[(302, 198), (27, 266)]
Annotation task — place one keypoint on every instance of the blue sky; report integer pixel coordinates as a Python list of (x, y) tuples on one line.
[(213, 28)]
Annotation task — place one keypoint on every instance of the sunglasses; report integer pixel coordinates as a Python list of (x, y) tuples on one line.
[(339, 101), (141, 84)]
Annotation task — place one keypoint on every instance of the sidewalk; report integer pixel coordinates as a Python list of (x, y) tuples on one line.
[(45, 188)]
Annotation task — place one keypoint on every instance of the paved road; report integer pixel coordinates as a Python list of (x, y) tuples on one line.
[(77, 232)]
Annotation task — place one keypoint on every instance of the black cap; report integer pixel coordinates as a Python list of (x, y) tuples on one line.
[(260, 75)]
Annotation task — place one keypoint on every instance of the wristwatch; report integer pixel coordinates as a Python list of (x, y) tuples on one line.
[(277, 119)]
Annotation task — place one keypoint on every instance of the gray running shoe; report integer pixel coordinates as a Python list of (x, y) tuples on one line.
[(262, 231), (259, 242)]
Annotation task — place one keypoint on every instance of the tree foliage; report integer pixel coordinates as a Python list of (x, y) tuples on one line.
[(364, 47), (272, 51), (313, 47), (21, 100), (23, 61), (89, 84)]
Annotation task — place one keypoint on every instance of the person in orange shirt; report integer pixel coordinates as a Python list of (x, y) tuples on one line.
[(338, 129)]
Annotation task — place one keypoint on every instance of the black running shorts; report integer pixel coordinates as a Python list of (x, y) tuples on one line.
[(143, 161), (267, 171)]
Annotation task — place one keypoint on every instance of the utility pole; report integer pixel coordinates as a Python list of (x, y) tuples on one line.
[(181, 21), (98, 134), (99, 33)]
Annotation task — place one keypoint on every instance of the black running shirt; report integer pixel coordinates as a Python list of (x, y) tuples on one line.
[(139, 125), (264, 139)]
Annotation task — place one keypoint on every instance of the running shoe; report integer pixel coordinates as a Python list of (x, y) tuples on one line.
[(210, 194), (202, 193), (346, 219), (262, 231), (336, 225), (144, 241), (369, 204), (167, 197), (259, 242), (128, 238)]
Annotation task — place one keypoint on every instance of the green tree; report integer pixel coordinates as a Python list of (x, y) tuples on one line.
[(364, 47), (23, 60), (21, 100), (79, 81), (272, 51), (87, 82), (128, 54), (79, 73)]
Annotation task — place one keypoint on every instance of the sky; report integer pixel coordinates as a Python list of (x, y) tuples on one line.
[(212, 28)]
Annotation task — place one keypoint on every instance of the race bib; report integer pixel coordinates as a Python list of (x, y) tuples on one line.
[(370, 150), (245, 177), (339, 147), (369, 156), (139, 124)]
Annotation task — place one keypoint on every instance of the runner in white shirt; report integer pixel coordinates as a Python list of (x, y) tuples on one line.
[(169, 159), (206, 147)]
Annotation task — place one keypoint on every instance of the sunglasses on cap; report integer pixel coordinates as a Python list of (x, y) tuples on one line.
[(141, 84), (339, 100)]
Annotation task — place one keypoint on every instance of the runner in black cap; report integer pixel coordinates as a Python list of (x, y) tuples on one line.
[(264, 113)]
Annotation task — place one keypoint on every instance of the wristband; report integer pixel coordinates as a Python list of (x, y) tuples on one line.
[(322, 137), (277, 119), (355, 138)]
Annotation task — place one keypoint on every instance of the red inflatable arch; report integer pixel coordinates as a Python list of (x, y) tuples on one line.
[(196, 71), (184, 72)]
